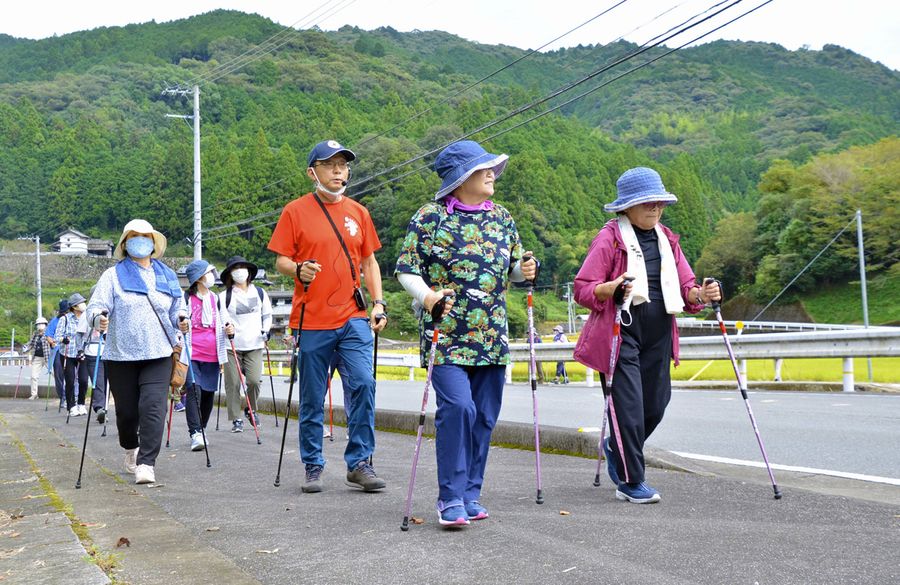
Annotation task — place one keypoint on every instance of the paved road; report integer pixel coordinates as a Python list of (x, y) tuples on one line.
[(228, 524), (846, 433)]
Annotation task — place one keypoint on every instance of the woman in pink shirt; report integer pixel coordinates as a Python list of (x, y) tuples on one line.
[(208, 348)]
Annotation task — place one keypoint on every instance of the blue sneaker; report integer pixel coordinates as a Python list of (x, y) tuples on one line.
[(179, 406), (476, 511), (639, 493), (453, 516), (611, 459)]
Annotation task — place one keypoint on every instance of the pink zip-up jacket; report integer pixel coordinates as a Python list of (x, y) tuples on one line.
[(607, 260)]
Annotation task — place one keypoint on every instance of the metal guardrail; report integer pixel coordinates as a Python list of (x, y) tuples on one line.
[(773, 326), (831, 343)]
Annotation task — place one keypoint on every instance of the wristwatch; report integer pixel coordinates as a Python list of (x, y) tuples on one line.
[(380, 302)]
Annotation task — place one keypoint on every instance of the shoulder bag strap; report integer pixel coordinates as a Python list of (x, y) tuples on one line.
[(340, 239)]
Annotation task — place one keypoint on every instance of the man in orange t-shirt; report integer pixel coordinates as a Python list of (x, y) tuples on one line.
[(326, 242)]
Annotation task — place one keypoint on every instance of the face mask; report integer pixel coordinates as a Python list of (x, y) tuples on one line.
[(41, 327), (240, 275), (80, 307), (139, 246), (321, 187), (209, 280)]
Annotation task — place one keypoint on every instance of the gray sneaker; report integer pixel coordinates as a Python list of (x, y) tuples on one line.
[(313, 483), (363, 477)]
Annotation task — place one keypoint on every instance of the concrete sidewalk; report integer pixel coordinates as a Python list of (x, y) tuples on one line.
[(228, 524)]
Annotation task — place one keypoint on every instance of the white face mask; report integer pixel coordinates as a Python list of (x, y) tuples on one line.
[(209, 280), (80, 307), (41, 327), (324, 189), (240, 275)]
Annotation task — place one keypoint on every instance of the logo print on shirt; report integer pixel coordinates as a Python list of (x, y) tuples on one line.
[(351, 225)]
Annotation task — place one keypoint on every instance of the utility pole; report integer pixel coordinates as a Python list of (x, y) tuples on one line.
[(198, 223), (862, 277), (37, 275), (37, 270), (570, 301)]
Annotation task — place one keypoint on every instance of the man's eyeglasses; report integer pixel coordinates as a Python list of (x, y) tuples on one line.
[(332, 165)]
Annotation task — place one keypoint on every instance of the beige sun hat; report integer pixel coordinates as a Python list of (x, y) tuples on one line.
[(141, 226)]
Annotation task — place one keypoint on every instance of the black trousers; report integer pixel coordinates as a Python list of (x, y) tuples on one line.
[(73, 369), (59, 378), (98, 394), (642, 386), (140, 389), (195, 419)]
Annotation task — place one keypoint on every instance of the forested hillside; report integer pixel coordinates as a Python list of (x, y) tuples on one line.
[(84, 140)]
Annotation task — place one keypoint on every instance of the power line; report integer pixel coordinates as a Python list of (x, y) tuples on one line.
[(446, 99), (521, 110), (200, 79), (799, 274), (231, 69), (641, 49)]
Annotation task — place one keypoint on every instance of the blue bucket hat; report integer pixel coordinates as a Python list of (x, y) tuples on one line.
[(636, 186), (196, 270), (327, 149), (457, 162)]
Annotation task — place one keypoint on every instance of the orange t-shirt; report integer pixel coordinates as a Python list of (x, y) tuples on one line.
[(303, 233)]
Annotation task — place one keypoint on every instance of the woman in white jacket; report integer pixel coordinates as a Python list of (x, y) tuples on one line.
[(249, 309)]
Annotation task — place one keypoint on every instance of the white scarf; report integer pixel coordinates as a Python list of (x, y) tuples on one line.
[(668, 272), (206, 313)]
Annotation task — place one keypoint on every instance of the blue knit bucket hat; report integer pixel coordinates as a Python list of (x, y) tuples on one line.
[(636, 186), (457, 162)]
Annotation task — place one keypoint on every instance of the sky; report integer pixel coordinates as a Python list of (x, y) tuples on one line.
[(868, 27)]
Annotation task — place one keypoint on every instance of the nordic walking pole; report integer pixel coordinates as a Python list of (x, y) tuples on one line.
[(237, 366), (606, 383), (378, 319), (330, 408), (16, 393), (295, 355), (65, 365), (171, 409), (532, 377), (87, 424), (271, 385), (219, 407), (717, 307), (437, 314), (196, 392)]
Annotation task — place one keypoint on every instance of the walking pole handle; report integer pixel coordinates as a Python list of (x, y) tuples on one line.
[(619, 293), (537, 270), (300, 265), (437, 311), (716, 305)]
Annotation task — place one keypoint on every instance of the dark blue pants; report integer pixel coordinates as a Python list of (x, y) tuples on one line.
[(468, 404), (98, 394), (353, 343), (642, 386)]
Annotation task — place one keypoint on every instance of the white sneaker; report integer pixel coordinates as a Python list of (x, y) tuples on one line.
[(197, 443), (82, 409), (144, 474), (73, 412), (131, 459)]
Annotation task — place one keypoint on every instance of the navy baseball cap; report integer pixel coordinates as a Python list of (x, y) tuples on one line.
[(327, 149)]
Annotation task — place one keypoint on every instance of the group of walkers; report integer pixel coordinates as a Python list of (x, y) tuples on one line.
[(461, 254)]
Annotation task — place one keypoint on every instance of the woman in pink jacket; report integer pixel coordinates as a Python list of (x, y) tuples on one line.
[(636, 246)]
